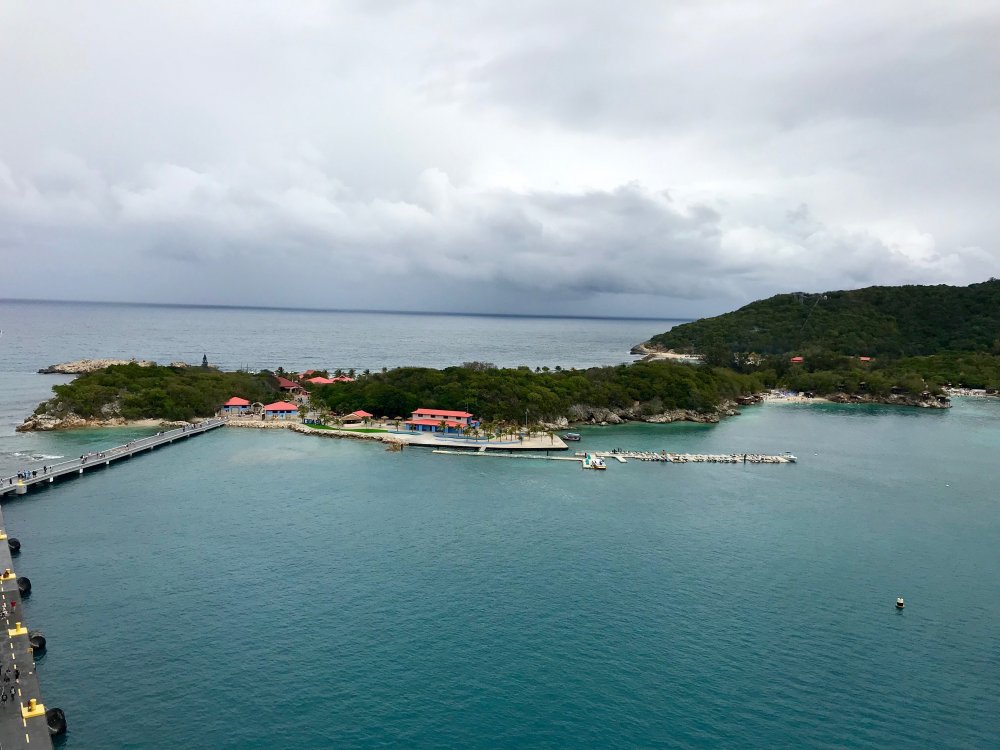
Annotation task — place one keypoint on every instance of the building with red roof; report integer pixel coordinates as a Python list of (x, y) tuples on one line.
[(281, 410), (440, 420), (236, 405), (797, 359), (320, 380), (288, 385)]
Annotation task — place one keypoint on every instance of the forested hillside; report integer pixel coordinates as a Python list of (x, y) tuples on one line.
[(505, 394), (879, 321)]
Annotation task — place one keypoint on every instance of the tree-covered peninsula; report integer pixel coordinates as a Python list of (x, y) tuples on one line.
[(659, 391), (640, 390), (133, 391), (873, 341)]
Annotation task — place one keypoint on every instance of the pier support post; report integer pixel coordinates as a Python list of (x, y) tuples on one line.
[(21, 489)]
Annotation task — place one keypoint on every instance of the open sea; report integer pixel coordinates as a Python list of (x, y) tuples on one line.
[(261, 589)]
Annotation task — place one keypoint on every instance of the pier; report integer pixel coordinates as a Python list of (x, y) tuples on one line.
[(49, 473), (23, 720)]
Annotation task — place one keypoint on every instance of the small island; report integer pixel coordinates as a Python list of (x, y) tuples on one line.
[(906, 346)]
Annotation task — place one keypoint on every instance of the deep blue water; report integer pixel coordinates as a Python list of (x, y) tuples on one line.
[(261, 589)]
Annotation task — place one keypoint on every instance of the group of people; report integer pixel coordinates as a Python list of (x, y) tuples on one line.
[(9, 686)]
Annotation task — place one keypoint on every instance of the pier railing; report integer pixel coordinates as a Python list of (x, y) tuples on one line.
[(47, 473)]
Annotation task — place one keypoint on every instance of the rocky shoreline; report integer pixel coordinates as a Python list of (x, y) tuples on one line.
[(649, 353), (50, 423), (922, 401), (81, 366)]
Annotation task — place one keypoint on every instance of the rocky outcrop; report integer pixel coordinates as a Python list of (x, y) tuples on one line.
[(641, 413), (923, 400), (81, 366), (46, 422), (71, 421)]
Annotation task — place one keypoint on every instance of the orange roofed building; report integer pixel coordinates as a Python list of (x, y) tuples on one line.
[(440, 420), (236, 405), (281, 410)]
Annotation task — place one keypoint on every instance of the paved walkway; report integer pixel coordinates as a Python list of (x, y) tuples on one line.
[(20, 725)]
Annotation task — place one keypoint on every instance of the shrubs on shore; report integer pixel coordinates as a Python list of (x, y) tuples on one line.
[(171, 393)]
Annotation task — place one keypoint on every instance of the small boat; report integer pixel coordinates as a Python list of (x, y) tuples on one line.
[(572, 437), (594, 462), (900, 603)]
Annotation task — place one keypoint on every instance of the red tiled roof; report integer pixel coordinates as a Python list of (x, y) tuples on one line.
[(281, 406), (237, 401), (286, 383), (307, 373), (343, 379), (361, 413), (865, 359), (321, 380), (435, 422), (797, 359), (442, 413)]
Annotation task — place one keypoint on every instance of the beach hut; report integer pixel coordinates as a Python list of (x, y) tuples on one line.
[(236, 405), (281, 410)]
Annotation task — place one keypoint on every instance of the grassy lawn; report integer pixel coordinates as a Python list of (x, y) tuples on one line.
[(345, 429)]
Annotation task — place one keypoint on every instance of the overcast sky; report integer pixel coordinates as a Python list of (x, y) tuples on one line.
[(662, 158)]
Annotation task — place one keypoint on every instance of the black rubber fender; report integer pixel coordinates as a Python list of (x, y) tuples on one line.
[(37, 640), (56, 719), (14, 544), (24, 585)]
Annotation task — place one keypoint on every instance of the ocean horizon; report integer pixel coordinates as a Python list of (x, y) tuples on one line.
[(373, 311)]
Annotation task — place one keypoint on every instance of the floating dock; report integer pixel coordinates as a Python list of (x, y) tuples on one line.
[(23, 720), (49, 473)]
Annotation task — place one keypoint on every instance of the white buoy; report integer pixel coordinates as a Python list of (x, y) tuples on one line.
[(900, 603)]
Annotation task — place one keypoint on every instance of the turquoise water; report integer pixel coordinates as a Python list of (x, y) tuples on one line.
[(259, 589)]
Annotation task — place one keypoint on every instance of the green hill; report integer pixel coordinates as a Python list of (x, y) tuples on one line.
[(878, 321)]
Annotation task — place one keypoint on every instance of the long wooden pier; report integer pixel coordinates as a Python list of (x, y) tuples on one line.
[(23, 720), (49, 473)]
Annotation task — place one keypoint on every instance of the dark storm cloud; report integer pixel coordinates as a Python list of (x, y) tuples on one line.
[(664, 158)]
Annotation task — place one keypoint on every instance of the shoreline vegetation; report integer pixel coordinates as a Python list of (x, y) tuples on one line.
[(653, 392), (906, 346), (910, 345)]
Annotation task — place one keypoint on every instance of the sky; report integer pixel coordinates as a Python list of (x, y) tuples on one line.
[(665, 158)]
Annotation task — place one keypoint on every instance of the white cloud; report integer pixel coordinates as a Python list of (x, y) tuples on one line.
[(673, 158)]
